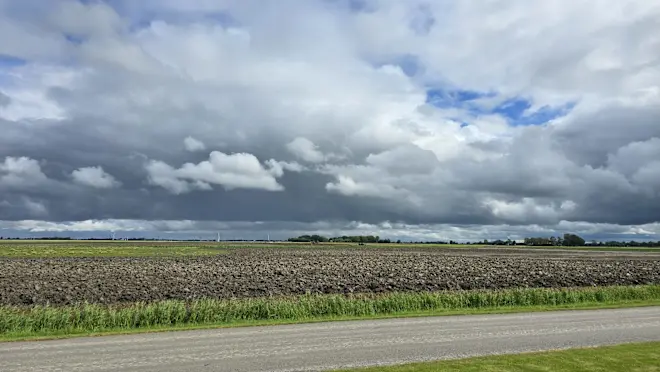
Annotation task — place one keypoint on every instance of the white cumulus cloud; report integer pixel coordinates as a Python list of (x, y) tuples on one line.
[(21, 172), (94, 177), (192, 144), (231, 171)]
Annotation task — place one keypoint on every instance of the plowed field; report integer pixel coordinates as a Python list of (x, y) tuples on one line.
[(264, 272)]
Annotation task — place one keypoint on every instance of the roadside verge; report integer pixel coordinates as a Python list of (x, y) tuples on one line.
[(45, 322)]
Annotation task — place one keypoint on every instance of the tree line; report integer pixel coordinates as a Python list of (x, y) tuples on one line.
[(573, 240), (567, 240), (340, 239)]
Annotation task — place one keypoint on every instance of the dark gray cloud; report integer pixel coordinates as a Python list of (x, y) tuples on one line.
[(5, 100), (201, 119)]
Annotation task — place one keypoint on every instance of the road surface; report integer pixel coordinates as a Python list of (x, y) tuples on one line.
[(322, 346)]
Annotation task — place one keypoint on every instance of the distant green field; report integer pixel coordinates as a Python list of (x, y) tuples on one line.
[(504, 247), (38, 249), (109, 248), (638, 357)]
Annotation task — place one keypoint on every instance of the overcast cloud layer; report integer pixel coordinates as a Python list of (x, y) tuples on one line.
[(418, 119)]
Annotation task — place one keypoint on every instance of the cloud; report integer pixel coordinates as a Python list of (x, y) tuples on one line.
[(231, 171), (347, 186), (36, 208), (94, 177), (277, 168), (78, 20), (191, 144), (21, 172), (187, 229), (27, 94), (5, 100), (528, 209), (305, 150), (506, 113), (405, 159)]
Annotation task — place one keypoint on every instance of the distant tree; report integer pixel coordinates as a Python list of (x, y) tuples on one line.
[(309, 238), (341, 239), (541, 241), (318, 238), (573, 240)]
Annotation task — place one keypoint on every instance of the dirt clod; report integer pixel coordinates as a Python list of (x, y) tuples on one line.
[(253, 273)]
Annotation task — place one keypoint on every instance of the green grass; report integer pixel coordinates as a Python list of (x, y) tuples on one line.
[(106, 249), (45, 321), (605, 249), (634, 357)]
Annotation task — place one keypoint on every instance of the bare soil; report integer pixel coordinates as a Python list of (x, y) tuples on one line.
[(265, 272)]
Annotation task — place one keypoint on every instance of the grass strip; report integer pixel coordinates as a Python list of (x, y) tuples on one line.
[(76, 248), (639, 357), (40, 321), (56, 251)]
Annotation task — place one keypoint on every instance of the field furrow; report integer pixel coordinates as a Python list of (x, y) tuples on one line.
[(268, 272)]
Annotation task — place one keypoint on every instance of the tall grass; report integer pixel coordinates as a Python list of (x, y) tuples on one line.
[(84, 318)]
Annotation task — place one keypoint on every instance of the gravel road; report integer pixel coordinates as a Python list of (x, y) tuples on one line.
[(323, 346)]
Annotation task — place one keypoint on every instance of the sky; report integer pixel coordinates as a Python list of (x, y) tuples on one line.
[(413, 120)]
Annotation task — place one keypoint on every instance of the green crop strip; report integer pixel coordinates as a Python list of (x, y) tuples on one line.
[(26, 322)]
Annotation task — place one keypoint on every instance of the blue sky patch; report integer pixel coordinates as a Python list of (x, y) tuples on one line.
[(7, 61), (513, 109), (74, 39), (545, 114), (453, 98)]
